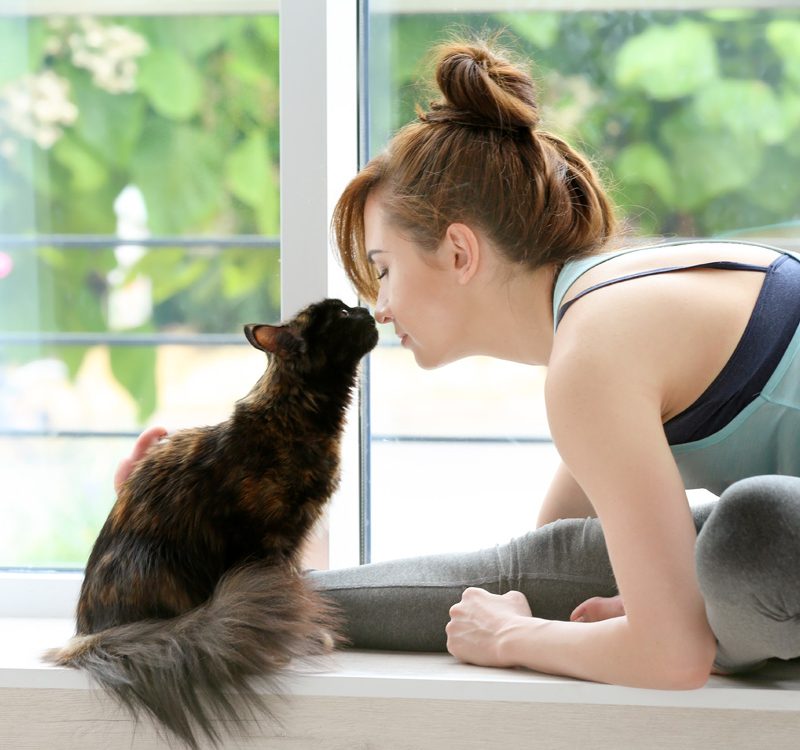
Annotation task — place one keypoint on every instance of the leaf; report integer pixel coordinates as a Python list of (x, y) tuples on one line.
[(741, 107), (170, 271), (193, 35), (87, 171), (198, 35), (108, 124), (268, 28), (706, 163), (790, 106), (784, 36), (668, 62), (247, 170), (540, 29), (644, 163), (268, 213), (178, 168), (246, 66), (134, 367), (726, 15), (172, 85), (245, 272), (776, 187)]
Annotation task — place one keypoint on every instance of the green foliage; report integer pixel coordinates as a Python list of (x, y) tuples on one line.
[(172, 85), (188, 114), (135, 369), (687, 46), (643, 163), (540, 29), (695, 114), (784, 36)]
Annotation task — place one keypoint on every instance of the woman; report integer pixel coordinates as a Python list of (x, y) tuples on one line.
[(670, 366)]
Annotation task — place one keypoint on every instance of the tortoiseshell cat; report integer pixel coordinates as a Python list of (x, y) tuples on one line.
[(192, 586)]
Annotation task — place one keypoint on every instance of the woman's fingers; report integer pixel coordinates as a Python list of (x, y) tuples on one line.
[(144, 442), (598, 608)]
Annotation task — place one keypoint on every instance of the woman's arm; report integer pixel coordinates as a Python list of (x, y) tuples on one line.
[(605, 392), (564, 499), (605, 396)]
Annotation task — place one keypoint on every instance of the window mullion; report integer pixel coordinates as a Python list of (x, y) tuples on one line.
[(319, 154)]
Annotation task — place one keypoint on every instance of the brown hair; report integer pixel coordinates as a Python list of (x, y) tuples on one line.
[(477, 157)]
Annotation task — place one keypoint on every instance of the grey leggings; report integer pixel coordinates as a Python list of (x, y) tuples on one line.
[(748, 565)]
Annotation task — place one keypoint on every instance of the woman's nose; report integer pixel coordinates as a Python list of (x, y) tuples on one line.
[(382, 314)]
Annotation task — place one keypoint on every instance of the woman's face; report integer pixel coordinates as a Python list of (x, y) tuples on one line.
[(417, 293)]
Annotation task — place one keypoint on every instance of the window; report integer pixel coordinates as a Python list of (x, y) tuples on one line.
[(115, 301), (140, 218), (188, 339), (692, 112)]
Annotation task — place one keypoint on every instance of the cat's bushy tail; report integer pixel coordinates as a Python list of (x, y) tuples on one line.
[(195, 670)]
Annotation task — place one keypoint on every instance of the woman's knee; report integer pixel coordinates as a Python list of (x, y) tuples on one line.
[(752, 536), (748, 556)]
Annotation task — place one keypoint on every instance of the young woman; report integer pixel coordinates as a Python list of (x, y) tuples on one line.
[(669, 366)]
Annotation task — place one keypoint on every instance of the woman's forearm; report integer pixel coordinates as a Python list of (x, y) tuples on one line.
[(608, 651)]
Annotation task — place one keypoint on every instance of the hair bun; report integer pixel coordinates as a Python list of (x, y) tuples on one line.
[(482, 88)]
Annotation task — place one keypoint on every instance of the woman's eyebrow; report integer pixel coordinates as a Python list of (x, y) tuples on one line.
[(372, 253)]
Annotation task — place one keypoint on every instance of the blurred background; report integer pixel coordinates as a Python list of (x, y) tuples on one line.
[(139, 229)]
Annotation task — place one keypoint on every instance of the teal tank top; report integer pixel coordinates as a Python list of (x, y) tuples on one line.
[(763, 438)]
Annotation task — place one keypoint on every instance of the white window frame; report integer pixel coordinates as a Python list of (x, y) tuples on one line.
[(319, 153)]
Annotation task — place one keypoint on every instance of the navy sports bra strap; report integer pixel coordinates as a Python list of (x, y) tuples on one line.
[(726, 265)]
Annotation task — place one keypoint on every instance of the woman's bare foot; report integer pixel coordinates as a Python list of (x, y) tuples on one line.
[(598, 608)]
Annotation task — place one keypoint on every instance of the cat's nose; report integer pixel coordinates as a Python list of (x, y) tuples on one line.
[(361, 312)]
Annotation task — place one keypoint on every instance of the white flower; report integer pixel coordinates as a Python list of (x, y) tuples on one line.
[(37, 106), (108, 52), (46, 135)]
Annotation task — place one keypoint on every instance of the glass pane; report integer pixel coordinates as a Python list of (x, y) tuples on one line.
[(694, 119), (139, 221)]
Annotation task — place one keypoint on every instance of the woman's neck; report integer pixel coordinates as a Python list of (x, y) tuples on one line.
[(514, 317)]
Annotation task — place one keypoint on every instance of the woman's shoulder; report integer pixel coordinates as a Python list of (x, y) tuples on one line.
[(577, 276), (671, 332)]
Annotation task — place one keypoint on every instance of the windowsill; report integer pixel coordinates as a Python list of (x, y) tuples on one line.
[(362, 674)]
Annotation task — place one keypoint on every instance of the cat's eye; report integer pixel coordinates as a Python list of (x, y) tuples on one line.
[(344, 312)]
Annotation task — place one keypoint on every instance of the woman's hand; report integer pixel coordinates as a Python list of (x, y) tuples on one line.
[(144, 442), (478, 623), (598, 608)]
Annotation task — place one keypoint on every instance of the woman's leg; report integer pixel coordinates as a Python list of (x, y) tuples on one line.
[(748, 565), (403, 605)]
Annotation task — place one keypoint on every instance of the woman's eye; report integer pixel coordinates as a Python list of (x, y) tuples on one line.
[(382, 274)]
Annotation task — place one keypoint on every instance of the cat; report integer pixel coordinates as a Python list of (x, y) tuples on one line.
[(192, 587)]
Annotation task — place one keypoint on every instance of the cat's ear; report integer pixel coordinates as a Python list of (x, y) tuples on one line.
[(274, 339)]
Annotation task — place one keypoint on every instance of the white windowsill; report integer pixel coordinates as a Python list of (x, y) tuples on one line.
[(357, 674)]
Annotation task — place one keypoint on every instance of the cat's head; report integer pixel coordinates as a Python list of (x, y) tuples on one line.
[(323, 334)]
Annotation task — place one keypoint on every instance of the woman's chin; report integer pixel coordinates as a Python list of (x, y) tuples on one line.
[(427, 361)]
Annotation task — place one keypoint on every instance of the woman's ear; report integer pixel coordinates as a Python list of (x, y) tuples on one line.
[(464, 251)]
